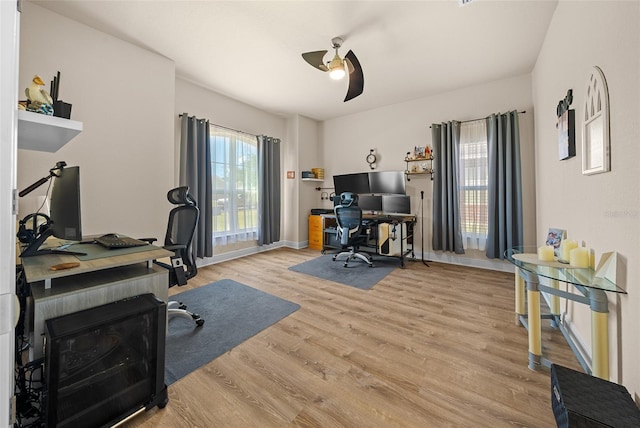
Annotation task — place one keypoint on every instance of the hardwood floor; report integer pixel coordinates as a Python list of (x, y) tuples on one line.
[(426, 347)]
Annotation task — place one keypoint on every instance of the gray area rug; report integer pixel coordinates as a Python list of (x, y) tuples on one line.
[(358, 274), (233, 313)]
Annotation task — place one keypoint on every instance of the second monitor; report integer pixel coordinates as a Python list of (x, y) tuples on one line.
[(385, 204), (396, 204), (370, 203)]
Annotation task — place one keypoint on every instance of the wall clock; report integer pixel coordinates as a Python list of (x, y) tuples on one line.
[(371, 159)]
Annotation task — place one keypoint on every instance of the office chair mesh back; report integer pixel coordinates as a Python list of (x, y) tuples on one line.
[(349, 220), (182, 225)]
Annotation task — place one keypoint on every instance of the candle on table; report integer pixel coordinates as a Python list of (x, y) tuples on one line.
[(545, 253), (565, 248), (579, 257)]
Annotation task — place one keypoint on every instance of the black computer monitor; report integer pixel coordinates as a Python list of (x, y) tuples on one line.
[(370, 203), (396, 204), (391, 182), (354, 183), (64, 206)]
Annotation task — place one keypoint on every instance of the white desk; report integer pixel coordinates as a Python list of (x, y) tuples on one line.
[(93, 283)]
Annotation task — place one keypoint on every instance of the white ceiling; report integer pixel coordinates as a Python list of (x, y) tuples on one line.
[(250, 50)]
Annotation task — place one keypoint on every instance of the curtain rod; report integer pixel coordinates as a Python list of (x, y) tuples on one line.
[(481, 118), (225, 127)]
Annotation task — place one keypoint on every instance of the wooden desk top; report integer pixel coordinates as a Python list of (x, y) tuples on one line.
[(37, 268), (381, 217)]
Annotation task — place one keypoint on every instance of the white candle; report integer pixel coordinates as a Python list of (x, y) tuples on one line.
[(579, 257), (565, 248), (545, 253)]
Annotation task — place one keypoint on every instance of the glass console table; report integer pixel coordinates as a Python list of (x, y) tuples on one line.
[(535, 276)]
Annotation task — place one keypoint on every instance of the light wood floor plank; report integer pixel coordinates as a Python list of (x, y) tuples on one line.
[(429, 346)]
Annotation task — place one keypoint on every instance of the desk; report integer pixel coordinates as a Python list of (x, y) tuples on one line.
[(93, 283), (592, 291), (388, 235)]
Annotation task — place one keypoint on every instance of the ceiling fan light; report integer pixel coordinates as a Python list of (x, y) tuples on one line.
[(336, 68), (337, 73)]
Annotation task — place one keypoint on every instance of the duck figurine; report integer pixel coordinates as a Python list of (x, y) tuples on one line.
[(39, 99)]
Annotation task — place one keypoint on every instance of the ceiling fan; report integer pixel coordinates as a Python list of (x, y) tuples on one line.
[(339, 67)]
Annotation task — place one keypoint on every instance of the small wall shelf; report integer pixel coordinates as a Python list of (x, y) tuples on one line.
[(312, 179), (45, 133), (414, 168)]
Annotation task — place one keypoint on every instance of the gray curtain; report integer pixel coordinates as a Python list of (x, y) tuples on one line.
[(195, 172), (269, 197), (447, 235), (505, 184)]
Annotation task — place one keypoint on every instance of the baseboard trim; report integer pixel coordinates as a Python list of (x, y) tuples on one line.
[(236, 254), (465, 260)]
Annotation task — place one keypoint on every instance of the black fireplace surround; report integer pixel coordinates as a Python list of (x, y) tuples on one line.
[(106, 363)]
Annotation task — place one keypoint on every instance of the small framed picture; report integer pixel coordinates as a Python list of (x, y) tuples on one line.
[(567, 134), (419, 153), (554, 238)]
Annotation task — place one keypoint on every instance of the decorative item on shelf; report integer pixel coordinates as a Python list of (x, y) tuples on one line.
[(39, 100), (60, 108), (566, 127), (595, 132), (371, 159), (318, 173), (419, 162), (308, 174)]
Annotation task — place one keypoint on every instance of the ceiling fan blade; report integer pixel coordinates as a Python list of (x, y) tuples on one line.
[(315, 59), (356, 77)]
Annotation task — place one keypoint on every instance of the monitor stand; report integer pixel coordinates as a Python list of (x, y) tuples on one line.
[(33, 248)]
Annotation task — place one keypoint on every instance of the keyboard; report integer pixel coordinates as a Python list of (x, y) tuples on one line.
[(114, 241)]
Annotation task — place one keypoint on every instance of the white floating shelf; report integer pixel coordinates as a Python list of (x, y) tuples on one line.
[(45, 133), (312, 179)]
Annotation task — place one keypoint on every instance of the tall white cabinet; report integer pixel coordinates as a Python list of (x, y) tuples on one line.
[(9, 41)]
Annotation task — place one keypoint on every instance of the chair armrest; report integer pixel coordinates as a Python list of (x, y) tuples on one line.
[(174, 247)]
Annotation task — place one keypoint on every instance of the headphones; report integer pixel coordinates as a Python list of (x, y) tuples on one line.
[(28, 235)]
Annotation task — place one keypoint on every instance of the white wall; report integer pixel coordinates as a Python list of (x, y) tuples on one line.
[(394, 130), (602, 210), (310, 156), (124, 97)]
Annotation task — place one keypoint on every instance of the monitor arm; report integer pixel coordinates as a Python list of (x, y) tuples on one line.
[(53, 172)]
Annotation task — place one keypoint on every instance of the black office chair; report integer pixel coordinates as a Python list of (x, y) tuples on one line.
[(180, 230), (349, 219)]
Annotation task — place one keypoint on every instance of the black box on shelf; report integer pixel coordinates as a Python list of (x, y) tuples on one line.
[(62, 109), (582, 400)]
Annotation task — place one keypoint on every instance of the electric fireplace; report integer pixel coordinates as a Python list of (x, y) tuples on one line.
[(106, 363)]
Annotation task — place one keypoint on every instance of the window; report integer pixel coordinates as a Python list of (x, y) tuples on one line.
[(234, 166), (474, 184)]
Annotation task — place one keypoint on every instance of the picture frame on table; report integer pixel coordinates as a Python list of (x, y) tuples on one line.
[(554, 238)]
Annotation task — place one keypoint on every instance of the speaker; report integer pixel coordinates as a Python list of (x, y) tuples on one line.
[(28, 234)]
